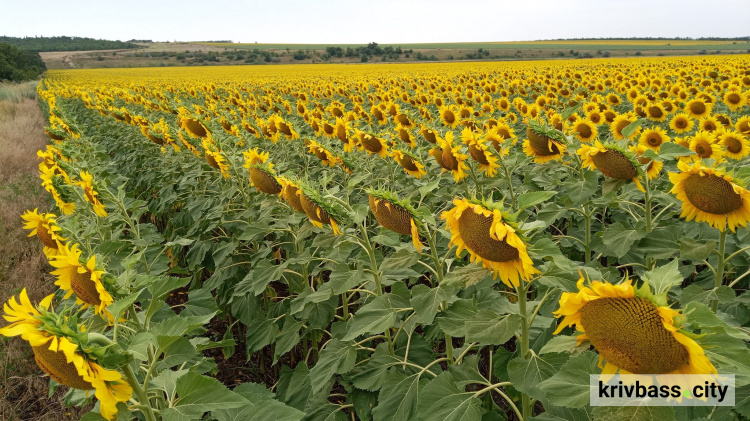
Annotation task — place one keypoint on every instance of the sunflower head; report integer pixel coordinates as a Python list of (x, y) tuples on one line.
[(611, 160), (44, 226), (543, 143), (320, 211), (63, 351), (710, 195), (81, 277), (289, 191), (394, 214), (408, 162), (490, 235), (372, 144), (633, 331), (263, 177), (736, 145)]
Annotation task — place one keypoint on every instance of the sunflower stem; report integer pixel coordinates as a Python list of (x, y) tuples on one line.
[(719, 279), (376, 274), (526, 407), (587, 244), (140, 393)]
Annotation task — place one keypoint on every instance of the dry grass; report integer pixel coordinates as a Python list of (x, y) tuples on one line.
[(23, 387)]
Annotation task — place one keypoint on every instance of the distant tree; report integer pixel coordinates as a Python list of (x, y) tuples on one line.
[(17, 65)]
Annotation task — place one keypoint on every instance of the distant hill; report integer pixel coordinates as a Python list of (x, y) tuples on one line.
[(18, 65), (39, 44)]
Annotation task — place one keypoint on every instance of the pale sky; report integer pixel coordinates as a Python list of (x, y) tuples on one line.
[(382, 21)]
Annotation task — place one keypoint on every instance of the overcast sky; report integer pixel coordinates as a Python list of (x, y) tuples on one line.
[(383, 21)]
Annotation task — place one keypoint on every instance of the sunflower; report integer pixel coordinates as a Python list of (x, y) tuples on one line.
[(403, 120), (631, 333), (64, 358), (325, 156), (585, 130), (698, 108), (254, 156), (653, 138), (736, 146), (405, 136), (44, 226), (540, 146), (286, 129), (379, 115), (90, 194), (653, 168), (656, 112), (58, 185), (372, 144), (195, 128), (342, 133), (395, 215), (681, 123), (429, 134), (448, 116), (705, 146), (743, 125), (451, 158), (595, 117), (734, 100), (708, 124), (263, 178), (620, 123), (318, 210), (82, 279), (479, 151), (289, 191), (409, 163), (612, 161), (490, 236), (709, 195), (214, 158)]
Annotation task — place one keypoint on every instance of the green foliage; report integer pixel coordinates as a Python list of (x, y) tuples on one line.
[(17, 65)]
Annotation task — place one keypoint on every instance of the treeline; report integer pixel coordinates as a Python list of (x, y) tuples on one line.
[(64, 43), (18, 65), (653, 39)]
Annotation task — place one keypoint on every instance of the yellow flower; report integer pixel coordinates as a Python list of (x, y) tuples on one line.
[(289, 191), (83, 280), (681, 123), (620, 123), (542, 148), (653, 138), (214, 158), (709, 195), (319, 213), (45, 227), (734, 100), (653, 168), (705, 146), (490, 240), (736, 145), (585, 130), (409, 163), (480, 152), (405, 136), (63, 360), (372, 144), (254, 156), (262, 178), (394, 216), (448, 116), (452, 159), (631, 334), (611, 161), (698, 108), (87, 184)]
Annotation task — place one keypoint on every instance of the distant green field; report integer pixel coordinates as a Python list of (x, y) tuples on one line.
[(540, 45)]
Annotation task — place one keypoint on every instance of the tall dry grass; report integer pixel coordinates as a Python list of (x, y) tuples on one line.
[(23, 386)]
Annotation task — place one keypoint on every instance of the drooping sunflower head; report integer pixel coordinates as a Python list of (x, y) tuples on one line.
[(611, 160), (214, 157), (429, 134), (710, 195), (80, 277), (404, 135), (479, 149), (62, 351), (394, 214), (543, 143), (320, 211), (372, 144), (44, 226), (263, 177), (451, 158), (289, 191), (194, 127), (631, 333), (409, 162), (90, 193), (490, 235)]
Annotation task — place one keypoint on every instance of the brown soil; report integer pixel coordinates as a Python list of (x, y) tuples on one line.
[(23, 386)]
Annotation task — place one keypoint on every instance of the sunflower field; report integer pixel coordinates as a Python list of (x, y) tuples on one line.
[(458, 241)]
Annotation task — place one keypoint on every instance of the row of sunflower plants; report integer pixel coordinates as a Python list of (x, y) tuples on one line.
[(361, 287)]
